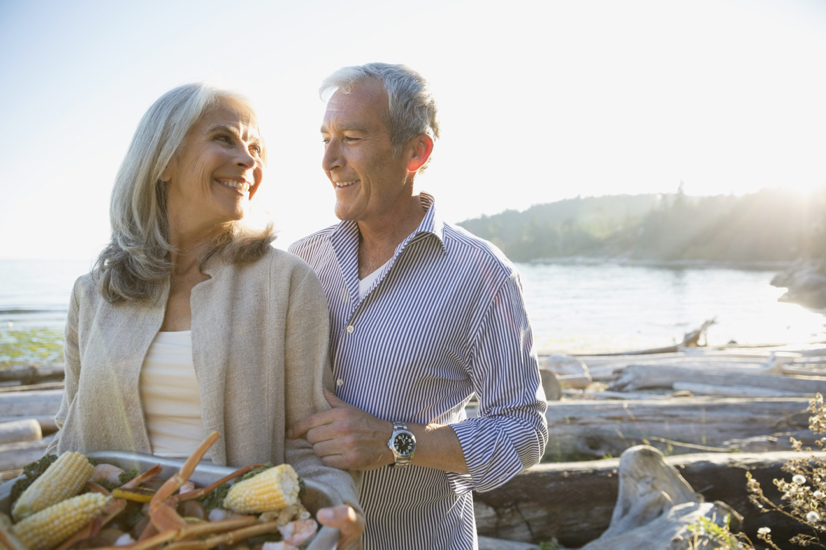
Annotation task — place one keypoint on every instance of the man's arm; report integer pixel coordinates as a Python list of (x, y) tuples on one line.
[(351, 439), (509, 434)]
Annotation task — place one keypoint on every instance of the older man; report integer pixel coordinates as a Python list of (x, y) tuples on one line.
[(423, 315)]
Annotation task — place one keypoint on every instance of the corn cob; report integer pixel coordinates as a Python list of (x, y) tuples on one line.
[(63, 479), (270, 490), (54, 525)]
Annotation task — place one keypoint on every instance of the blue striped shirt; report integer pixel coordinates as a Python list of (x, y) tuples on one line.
[(445, 319)]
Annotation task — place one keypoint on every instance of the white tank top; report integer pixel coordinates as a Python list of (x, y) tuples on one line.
[(169, 393)]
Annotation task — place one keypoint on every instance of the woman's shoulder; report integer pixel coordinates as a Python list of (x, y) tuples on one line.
[(86, 287), (277, 260)]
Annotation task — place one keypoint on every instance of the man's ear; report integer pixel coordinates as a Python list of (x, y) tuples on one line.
[(421, 147)]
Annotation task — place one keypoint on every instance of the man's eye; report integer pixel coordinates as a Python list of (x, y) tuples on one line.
[(350, 138), (225, 139)]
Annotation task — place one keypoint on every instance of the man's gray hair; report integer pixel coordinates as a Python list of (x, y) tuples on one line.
[(411, 107), (136, 263)]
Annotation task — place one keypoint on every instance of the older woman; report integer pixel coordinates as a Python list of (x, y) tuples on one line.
[(190, 321)]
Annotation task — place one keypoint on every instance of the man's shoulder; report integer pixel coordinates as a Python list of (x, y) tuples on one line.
[(311, 244), (465, 246)]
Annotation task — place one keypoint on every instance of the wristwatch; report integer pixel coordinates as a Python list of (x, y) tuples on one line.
[(402, 443)]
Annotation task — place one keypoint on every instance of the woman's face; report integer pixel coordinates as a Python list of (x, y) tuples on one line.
[(216, 170)]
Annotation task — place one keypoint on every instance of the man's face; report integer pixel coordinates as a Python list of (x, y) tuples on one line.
[(369, 182)]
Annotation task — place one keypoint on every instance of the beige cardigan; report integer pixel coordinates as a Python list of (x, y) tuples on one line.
[(260, 348)]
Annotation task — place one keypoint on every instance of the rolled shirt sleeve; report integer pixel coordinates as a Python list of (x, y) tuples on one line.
[(510, 432)]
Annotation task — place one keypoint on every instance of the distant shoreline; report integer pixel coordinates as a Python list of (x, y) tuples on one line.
[(776, 266)]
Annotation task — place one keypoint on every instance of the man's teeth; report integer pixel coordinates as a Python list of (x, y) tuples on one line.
[(244, 187), (344, 183)]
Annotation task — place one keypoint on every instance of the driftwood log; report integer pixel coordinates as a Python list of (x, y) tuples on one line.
[(799, 362), (600, 428), (569, 371), (656, 507), (39, 405), (574, 501), (14, 456), (488, 543), (20, 431), (637, 377), (31, 403), (32, 374)]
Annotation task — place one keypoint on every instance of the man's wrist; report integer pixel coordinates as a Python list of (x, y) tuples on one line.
[(402, 444)]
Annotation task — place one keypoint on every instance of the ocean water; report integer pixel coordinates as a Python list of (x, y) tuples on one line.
[(572, 307), (35, 293)]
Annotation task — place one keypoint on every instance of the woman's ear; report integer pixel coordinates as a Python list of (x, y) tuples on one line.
[(166, 175), (421, 147)]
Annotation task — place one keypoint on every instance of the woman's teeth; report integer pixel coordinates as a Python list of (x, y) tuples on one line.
[(243, 187)]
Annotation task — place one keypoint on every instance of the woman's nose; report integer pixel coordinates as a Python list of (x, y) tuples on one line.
[(245, 158)]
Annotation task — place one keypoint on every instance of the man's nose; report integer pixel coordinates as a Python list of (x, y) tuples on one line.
[(332, 157)]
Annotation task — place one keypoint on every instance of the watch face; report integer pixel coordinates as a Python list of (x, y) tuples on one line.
[(404, 444)]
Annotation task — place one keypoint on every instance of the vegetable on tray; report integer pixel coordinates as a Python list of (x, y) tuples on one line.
[(69, 506)]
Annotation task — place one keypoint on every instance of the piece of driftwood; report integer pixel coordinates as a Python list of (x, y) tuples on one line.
[(32, 374), (656, 506), (30, 404), (691, 339), (14, 456), (600, 428), (730, 391), (488, 543), (774, 442), (601, 395), (47, 423), (606, 372), (570, 371), (33, 387), (551, 385), (574, 501), (637, 377), (20, 431), (676, 528)]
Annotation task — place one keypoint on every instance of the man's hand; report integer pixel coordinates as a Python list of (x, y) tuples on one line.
[(349, 523), (346, 437)]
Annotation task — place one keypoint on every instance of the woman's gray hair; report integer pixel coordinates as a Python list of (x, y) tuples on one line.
[(411, 107), (137, 262)]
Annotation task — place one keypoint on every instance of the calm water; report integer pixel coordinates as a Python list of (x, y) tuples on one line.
[(572, 307), (610, 306)]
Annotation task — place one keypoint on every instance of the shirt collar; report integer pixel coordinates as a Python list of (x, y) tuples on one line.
[(431, 224)]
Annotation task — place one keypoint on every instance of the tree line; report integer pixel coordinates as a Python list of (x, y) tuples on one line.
[(770, 225)]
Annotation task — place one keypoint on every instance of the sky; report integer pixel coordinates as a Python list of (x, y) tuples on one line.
[(539, 100)]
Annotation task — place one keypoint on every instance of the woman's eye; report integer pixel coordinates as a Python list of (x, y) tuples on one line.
[(255, 149)]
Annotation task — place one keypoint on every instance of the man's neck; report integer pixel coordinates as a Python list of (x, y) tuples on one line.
[(379, 239)]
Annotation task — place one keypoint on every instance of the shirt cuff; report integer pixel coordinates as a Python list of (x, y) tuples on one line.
[(489, 455)]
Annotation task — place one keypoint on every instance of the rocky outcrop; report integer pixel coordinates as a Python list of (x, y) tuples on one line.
[(805, 284)]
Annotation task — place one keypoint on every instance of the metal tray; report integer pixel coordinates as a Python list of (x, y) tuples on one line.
[(316, 495)]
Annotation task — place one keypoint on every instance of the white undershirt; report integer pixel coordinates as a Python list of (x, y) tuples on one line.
[(367, 282), (169, 393)]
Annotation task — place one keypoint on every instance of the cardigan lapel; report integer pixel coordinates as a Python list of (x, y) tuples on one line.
[(210, 349), (125, 345)]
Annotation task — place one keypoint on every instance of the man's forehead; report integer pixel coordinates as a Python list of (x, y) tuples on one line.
[(362, 101)]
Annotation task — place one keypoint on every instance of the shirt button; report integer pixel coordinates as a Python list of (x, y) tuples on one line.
[(339, 382), (350, 328)]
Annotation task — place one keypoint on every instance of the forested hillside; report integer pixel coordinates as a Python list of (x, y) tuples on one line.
[(771, 225)]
